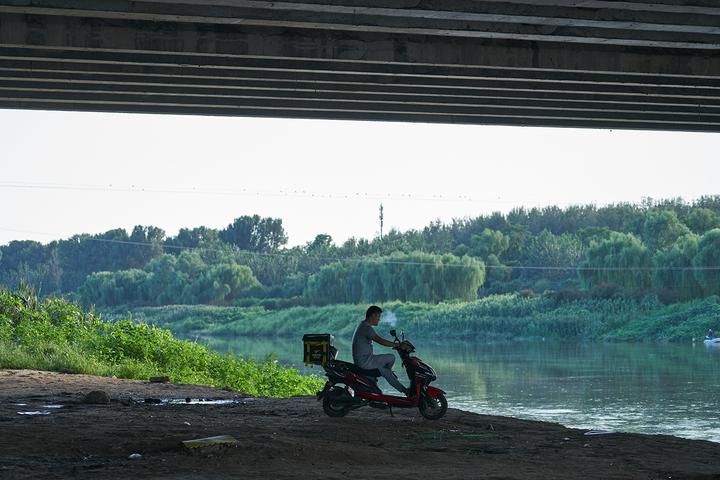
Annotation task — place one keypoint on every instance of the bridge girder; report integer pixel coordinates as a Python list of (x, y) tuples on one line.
[(585, 63)]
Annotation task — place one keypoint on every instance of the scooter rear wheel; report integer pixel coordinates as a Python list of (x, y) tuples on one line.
[(433, 408), (332, 402)]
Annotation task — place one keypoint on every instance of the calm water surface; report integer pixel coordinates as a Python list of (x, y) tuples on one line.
[(667, 389)]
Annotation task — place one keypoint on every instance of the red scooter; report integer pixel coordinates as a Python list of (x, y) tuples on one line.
[(350, 387)]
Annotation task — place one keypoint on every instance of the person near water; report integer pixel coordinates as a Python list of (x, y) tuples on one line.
[(362, 349)]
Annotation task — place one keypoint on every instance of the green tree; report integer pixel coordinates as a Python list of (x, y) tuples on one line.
[(169, 279), (518, 236), (438, 237), (30, 263), (193, 238), (322, 245), (661, 229), (674, 276), (700, 220), (146, 243), (126, 287), (419, 277), (489, 242), (496, 271), (621, 260), (220, 285), (560, 254), (255, 234), (165, 282), (707, 262)]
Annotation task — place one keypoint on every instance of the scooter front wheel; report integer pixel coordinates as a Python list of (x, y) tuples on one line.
[(335, 402), (433, 408)]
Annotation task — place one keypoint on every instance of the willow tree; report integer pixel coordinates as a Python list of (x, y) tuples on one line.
[(417, 277), (700, 220), (622, 259), (673, 275), (661, 229), (707, 262)]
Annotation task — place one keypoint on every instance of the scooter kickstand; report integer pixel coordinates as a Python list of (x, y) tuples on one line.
[(391, 412)]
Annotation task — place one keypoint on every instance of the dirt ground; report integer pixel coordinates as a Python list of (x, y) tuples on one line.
[(292, 438)]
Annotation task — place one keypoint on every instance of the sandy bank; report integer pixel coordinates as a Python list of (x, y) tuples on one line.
[(292, 438)]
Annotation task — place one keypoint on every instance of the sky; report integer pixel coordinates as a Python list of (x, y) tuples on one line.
[(63, 173)]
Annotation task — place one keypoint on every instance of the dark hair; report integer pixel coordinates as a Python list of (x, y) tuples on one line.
[(372, 310)]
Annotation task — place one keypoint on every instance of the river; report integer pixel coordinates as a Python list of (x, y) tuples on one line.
[(644, 388)]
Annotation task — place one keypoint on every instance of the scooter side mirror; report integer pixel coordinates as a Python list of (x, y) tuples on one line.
[(393, 333)]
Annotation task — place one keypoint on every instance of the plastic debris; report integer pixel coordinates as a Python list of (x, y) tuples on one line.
[(42, 412), (135, 456), (598, 432), (194, 401), (220, 440)]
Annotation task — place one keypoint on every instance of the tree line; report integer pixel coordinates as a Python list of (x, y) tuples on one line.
[(666, 247)]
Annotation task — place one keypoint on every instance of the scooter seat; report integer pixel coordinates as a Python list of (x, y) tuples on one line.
[(361, 371), (368, 373)]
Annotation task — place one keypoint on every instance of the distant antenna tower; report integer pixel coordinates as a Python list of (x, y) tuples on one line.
[(381, 220)]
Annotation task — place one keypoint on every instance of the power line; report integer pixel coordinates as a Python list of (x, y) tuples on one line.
[(296, 193), (291, 193), (377, 260)]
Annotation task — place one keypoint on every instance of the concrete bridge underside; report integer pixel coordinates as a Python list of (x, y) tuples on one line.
[(583, 63)]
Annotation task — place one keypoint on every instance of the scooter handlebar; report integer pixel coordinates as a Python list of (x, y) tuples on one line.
[(404, 345)]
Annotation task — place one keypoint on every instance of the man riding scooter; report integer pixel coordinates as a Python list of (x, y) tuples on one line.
[(354, 385), (362, 349)]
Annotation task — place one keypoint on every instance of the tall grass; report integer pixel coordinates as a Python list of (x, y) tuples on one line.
[(499, 317), (56, 335)]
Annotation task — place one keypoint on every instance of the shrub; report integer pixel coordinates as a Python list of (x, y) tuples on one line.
[(56, 335)]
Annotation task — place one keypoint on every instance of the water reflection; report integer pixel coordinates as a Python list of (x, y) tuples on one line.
[(658, 389)]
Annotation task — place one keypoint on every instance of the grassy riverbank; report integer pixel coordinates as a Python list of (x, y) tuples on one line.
[(500, 317), (59, 336)]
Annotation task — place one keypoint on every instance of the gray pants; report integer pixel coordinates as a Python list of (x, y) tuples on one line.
[(384, 363)]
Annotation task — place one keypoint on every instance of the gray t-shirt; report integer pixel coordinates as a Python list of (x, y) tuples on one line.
[(362, 348)]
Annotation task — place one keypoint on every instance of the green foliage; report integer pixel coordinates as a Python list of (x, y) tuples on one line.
[(255, 234), (407, 277), (194, 238), (700, 220), (62, 266), (679, 322), (497, 317), (674, 276), (622, 260), (553, 237), (496, 271), (707, 261), (110, 251), (168, 279), (56, 335), (554, 251), (489, 242), (662, 229)]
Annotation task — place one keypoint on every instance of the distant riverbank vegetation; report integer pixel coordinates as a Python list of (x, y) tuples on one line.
[(53, 334), (493, 318), (657, 252)]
